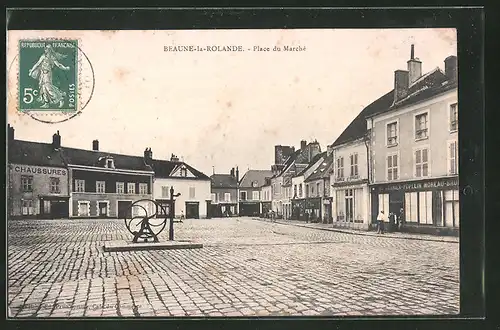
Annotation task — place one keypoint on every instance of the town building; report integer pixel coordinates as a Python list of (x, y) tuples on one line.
[(317, 187), (194, 187), (351, 206), (414, 149), (104, 185), (299, 194), (266, 198), (281, 183), (250, 190), (224, 194), (37, 179)]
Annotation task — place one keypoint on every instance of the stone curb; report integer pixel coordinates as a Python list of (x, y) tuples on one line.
[(361, 233)]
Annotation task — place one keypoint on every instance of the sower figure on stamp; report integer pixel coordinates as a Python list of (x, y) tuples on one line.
[(42, 70)]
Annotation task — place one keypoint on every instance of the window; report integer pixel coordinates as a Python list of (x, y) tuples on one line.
[(453, 157), (340, 168), (27, 207), (392, 167), (318, 189), (454, 117), (358, 205), (294, 190), (110, 163), (143, 188), (243, 195), (425, 207), (79, 185), (227, 197), (164, 208), (55, 186), (411, 207), (421, 126), (392, 134), (422, 162), (451, 208), (255, 195), (164, 191), (192, 192), (120, 188), (300, 190), (46, 207), (307, 190), (340, 205), (214, 198), (349, 205), (183, 172), (354, 165), (131, 188), (100, 186), (27, 182)]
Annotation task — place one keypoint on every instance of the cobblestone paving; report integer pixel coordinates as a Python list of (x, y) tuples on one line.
[(57, 268)]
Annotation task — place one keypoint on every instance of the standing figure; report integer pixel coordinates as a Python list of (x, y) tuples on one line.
[(401, 218), (380, 222), (42, 70)]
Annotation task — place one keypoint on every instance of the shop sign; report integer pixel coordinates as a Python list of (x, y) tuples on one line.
[(39, 170), (443, 183)]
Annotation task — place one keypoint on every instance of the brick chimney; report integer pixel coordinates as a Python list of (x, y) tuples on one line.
[(414, 66), (450, 67), (148, 154), (400, 84), (303, 144), (174, 158), (237, 174), (232, 172), (95, 145), (56, 140), (10, 132)]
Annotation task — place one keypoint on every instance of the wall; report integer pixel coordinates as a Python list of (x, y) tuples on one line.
[(265, 194), (221, 191), (41, 185), (110, 180), (249, 192), (439, 135), (112, 198), (201, 187), (345, 151), (299, 180)]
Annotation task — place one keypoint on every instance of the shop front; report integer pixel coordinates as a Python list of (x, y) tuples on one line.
[(313, 209), (248, 208), (54, 207), (266, 208), (424, 206), (298, 209), (327, 209)]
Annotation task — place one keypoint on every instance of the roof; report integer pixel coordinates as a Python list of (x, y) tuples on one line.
[(43, 154), (34, 153), (258, 176), (357, 128), (311, 164), (322, 171), (223, 181)]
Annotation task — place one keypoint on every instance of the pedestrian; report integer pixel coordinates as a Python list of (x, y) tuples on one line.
[(392, 221), (380, 222), (401, 218), (182, 216)]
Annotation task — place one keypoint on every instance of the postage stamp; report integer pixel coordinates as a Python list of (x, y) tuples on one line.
[(48, 75)]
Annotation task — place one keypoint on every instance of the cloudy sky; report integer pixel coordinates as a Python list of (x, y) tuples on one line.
[(220, 109)]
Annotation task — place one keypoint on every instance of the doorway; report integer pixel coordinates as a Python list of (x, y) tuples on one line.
[(124, 209), (103, 209), (192, 210)]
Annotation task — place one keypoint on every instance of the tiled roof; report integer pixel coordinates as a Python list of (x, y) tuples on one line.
[(323, 170), (258, 176), (164, 168), (94, 158), (311, 164), (223, 181), (34, 153)]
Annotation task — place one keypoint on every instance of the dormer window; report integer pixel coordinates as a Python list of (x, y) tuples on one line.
[(254, 184), (110, 163)]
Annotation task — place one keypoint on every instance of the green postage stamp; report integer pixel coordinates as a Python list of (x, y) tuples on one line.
[(48, 75)]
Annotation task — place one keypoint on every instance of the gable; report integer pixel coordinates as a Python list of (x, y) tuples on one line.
[(182, 171)]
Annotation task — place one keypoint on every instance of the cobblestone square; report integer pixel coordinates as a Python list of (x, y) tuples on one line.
[(57, 268)]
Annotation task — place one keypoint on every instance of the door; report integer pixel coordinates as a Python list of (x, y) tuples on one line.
[(192, 210), (209, 209), (349, 205), (60, 209), (124, 209), (103, 209)]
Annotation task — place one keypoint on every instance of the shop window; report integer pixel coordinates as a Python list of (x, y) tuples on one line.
[(55, 186), (120, 188), (340, 205), (255, 195), (451, 208), (46, 207), (392, 167), (79, 185), (143, 188), (422, 162), (27, 207), (349, 205), (383, 204), (100, 187), (358, 205), (453, 157), (27, 183), (454, 117), (421, 126), (411, 207), (131, 188), (425, 207)]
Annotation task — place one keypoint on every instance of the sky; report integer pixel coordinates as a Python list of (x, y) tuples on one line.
[(218, 110)]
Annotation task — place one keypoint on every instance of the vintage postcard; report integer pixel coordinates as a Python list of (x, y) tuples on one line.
[(236, 173)]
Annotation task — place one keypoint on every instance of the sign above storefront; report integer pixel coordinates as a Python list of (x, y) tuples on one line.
[(39, 170), (420, 185)]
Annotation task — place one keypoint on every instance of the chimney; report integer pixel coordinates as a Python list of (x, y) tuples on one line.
[(95, 145), (10, 132), (400, 84), (329, 151), (56, 140), (237, 174), (414, 66), (303, 144), (232, 172), (148, 154), (450, 67)]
